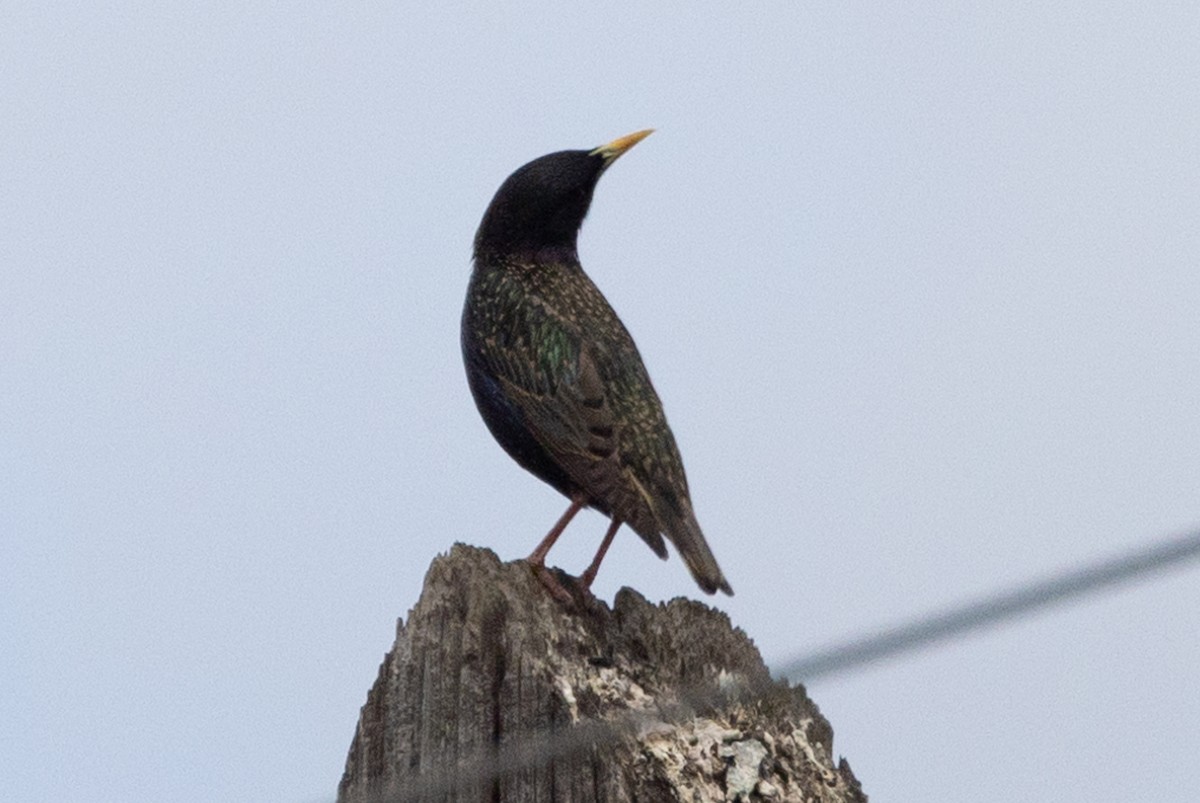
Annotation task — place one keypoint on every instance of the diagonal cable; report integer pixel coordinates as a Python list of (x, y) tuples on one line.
[(539, 749), (991, 610)]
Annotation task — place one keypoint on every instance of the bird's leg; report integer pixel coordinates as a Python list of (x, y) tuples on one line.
[(537, 558), (589, 574)]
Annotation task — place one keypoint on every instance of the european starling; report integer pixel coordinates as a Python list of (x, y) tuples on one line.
[(557, 377)]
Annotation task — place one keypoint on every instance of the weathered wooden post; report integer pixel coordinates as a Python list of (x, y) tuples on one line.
[(494, 691)]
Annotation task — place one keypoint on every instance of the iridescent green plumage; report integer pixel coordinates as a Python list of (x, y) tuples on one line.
[(557, 376)]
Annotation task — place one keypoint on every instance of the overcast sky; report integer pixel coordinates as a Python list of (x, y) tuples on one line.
[(917, 283)]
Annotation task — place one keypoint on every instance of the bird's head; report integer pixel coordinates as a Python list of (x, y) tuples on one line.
[(540, 207)]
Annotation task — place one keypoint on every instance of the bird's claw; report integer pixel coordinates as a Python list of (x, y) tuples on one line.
[(552, 585)]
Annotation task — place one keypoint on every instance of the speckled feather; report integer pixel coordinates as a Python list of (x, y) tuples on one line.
[(558, 378)]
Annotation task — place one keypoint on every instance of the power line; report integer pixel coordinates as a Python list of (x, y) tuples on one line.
[(990, 610), (540, 748)]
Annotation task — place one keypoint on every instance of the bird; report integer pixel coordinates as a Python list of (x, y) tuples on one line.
[(557, 377)]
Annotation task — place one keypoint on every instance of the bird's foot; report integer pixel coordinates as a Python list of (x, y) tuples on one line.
[(585, 592), (551, 583)]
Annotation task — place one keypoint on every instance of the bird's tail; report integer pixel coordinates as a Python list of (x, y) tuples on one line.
[(684, 532)]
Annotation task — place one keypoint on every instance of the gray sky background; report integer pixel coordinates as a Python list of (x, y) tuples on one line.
[(917, 284)]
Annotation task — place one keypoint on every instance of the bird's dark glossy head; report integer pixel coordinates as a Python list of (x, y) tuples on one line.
[(540, 207)]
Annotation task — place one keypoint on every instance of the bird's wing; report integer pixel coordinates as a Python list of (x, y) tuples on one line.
[(567, 409)]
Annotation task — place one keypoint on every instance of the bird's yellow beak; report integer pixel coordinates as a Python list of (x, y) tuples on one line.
[(614, 149)]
